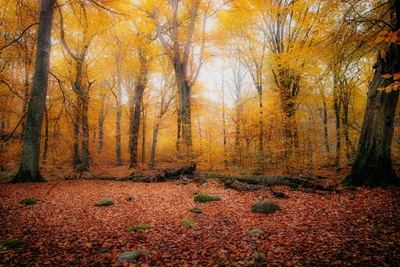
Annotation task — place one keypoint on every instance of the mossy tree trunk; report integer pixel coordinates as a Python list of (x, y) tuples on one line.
[(373, 163), (29, 168)]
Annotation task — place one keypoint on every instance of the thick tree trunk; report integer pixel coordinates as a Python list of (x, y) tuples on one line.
[(118, 150), (46, 135), (85, 132), (100, 125), (29, 168), (185, 110), (76, 155), (373, 165), (135, 111)]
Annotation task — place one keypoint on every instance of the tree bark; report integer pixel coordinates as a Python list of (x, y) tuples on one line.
[(29, 168), (373, 164), (135, 110)]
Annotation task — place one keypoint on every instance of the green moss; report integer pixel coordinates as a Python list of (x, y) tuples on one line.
[(206, 198), (139, 227), (188, 223), (13, 243), (196, 210), (256, 231), (29, 201), (265, 206), (104, 202)]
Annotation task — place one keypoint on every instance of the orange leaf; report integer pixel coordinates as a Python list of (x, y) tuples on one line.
[(387, 76)]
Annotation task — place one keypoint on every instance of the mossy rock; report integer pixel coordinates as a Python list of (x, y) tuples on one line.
[(256, 231), (196, 210), (13, 243), (104, 202), (102, 251), (29, 201), (265, 206), (130, 256), (206, 198), (139, 227), (185, 223)]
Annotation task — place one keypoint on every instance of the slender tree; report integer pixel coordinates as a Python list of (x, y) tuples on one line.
[(373, 164), (29, 168)]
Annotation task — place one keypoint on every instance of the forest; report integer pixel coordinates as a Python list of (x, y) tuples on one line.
[(150, 105)]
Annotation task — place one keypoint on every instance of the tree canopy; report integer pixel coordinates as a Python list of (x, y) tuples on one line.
[(251, 85)]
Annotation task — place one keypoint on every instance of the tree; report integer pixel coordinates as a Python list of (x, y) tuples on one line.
[(373, 165), (136, 100), (177, 34), (29, 168)]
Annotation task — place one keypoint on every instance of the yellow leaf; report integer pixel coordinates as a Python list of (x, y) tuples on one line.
[(393, 38), (379, 39), (395, 87), (381, 88), (396, 76), (387, 76), (388, 89), (384, 32)]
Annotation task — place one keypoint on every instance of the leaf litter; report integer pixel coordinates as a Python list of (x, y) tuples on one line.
[(353, 228)]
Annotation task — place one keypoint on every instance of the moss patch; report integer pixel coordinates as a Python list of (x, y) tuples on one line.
[(139, 227), (29, 201), (188, 223), (104, 202), (13, 243), (196, 210), (206, 198)]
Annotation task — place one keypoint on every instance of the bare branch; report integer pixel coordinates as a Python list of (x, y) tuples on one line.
[(19, 37)]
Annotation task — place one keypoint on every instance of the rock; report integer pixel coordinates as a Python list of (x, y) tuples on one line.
[(256, 231), (104, 202), (102, 251), (130, 256), (206, 198), (265, 206), (128, 198)]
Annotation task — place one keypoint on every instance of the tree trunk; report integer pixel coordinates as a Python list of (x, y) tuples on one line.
[(185, 109), (143, 134), (85, 132), (118, 151), (135, 111), (76, 155), (29, 168), (373, 164), (100, 122), (46, 135)]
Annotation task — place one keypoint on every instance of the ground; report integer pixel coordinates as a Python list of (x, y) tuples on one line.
[(358, 227)]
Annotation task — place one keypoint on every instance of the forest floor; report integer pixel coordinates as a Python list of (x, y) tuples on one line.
[(359, 227)]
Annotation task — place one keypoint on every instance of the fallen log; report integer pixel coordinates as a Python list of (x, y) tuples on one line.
[(247, 183), (163, 175)]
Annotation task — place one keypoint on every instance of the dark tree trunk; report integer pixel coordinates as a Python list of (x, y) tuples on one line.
[(76, 154), (373, 164), (135, 111), (100, 122), (85, 132), (46, 135), (29, 168)]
